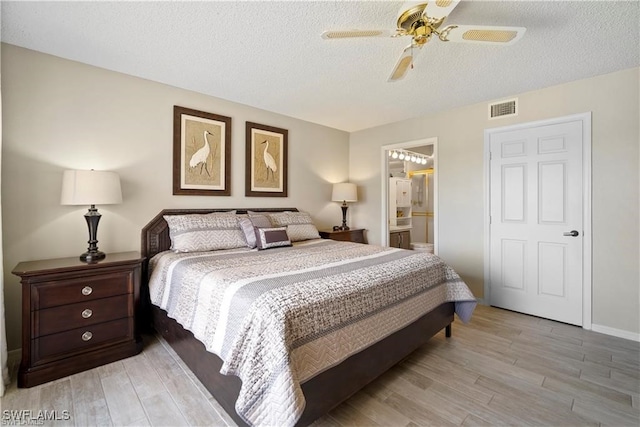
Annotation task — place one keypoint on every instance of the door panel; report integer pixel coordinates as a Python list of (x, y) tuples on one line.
[(536, 195), (552, 183), (514, 193), (514, 261), (552, 269)]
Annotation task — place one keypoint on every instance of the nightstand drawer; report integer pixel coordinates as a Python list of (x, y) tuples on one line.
[(64, 344), (60, 292), (80, 315), (357, 237), (341, 237)]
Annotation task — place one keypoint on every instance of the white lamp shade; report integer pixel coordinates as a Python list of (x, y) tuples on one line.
[(344, 192), (81, 187)]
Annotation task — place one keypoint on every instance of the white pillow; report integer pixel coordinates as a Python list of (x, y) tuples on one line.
[(205, 232), (299, 225)]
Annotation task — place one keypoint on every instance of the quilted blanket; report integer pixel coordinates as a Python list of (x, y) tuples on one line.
[(278, 317)]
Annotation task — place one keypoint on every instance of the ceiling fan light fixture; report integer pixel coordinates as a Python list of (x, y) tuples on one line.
[(420, 20), (410, 13)]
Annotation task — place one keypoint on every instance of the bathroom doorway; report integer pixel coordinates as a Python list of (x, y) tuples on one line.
[(410, 195)]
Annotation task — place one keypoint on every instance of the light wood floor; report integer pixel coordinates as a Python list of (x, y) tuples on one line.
[(503, 368)]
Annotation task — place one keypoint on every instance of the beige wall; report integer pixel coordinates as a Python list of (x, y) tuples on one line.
[(613, 100), (59, 114)]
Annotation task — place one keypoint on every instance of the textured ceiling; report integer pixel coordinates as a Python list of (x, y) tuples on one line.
[(270, 54)]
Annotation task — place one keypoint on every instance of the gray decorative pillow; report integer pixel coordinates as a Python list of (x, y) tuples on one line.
[(299, 225), (248, 224), (273, 237), (205, 232)]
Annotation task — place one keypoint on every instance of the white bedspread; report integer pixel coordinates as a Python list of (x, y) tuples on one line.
[(281, 316)]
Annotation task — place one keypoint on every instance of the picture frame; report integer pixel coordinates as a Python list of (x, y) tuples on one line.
[(201, 153), (266, 168)]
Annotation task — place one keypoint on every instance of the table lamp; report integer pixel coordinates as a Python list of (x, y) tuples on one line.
[(344, 192), (90, 187)]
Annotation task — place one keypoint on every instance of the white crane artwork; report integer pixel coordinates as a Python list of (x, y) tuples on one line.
[(269, 161), (200, 157)]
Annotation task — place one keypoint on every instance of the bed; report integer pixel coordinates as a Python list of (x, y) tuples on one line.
[(316, 376)]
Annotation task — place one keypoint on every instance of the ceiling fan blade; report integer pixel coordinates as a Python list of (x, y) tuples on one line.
[(440, 8), (484, 34), (348, 34), (404, 63)]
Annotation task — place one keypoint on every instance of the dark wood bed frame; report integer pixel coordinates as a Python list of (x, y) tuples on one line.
[(323, 392)]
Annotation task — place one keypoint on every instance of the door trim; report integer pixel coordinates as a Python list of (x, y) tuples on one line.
[(384, 167), (585, 118)]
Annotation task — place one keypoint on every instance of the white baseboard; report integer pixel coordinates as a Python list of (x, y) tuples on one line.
[(619, 333), (616, 332)]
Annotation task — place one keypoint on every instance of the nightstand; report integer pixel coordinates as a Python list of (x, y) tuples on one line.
[(77, 316), (354, 235)]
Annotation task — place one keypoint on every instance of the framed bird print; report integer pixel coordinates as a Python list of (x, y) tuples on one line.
[(201, 153), (266, 161)]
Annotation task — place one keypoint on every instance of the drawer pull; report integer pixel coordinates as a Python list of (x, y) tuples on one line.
[(87, 336), (86, 313), (87, 290)]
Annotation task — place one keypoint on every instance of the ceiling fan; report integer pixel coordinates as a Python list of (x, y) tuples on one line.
[(423, 19)]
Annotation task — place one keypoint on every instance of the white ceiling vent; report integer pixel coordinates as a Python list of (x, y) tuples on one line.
[(507, 108)]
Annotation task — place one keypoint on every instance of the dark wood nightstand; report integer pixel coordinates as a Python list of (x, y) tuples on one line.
[(77, 316), (354, 235)]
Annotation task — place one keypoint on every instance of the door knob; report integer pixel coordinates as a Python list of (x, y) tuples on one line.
[(572, 233)]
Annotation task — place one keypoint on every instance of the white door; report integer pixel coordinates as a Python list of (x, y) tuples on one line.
[(536, 221)]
